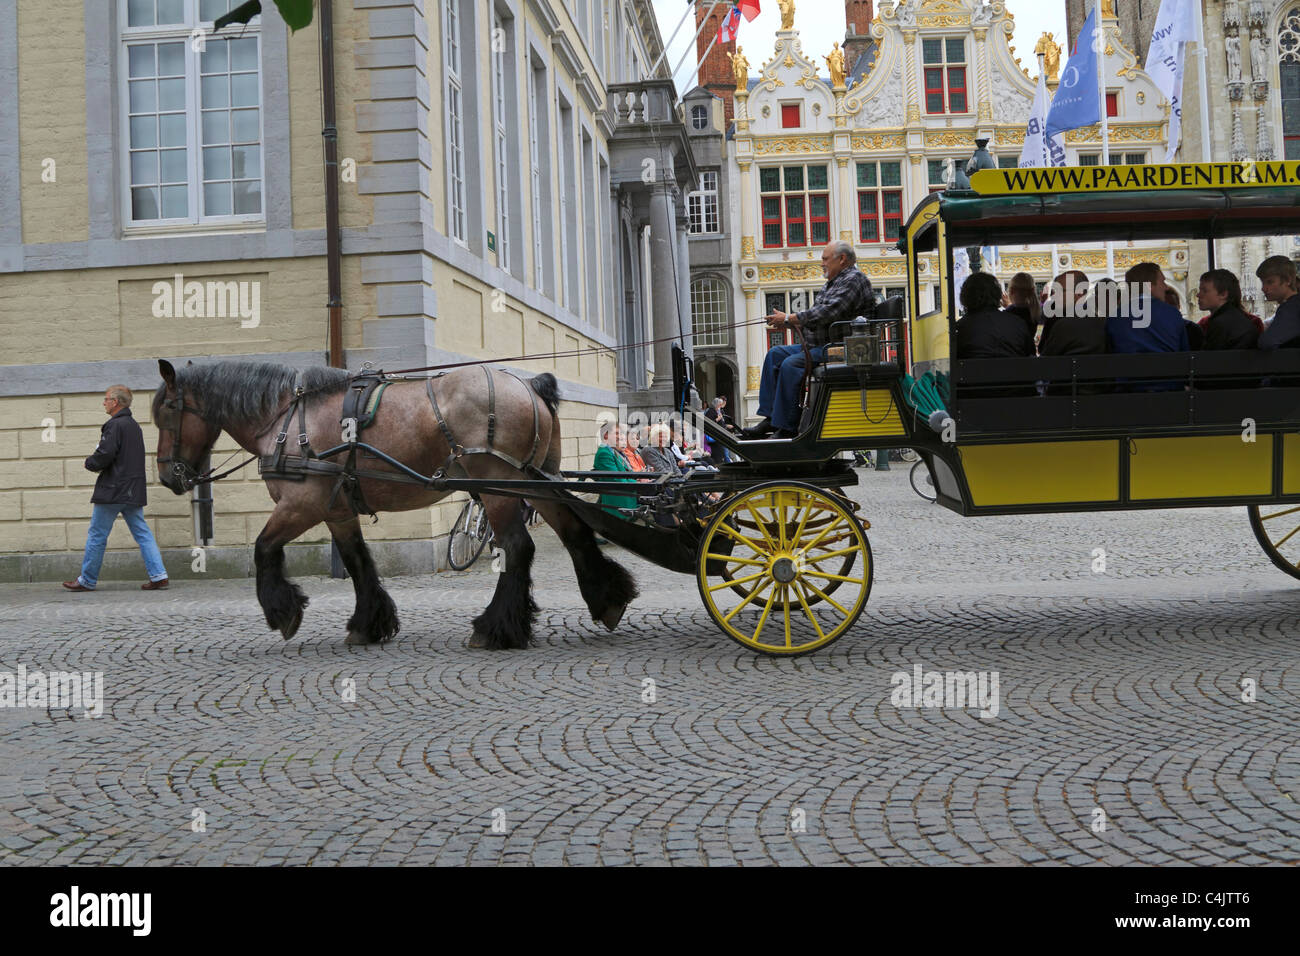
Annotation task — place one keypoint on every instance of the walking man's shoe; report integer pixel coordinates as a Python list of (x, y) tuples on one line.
[(154, 585), (761, 430), (76, 586)]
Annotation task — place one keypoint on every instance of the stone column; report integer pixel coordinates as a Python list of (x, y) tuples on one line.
[(663, 249), (684, 282)]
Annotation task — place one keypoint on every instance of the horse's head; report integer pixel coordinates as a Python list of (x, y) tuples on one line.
[(184, 436)]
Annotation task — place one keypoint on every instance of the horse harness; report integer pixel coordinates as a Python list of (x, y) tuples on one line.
[(360, 406)]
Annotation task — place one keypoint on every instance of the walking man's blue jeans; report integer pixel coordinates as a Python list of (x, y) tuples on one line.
[(778, 390), (101, 523)]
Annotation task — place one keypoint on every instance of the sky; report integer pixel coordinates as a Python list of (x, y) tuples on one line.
[(821, 23)]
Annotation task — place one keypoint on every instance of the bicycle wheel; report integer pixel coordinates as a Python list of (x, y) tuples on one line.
[(921, 481), (469, 536)]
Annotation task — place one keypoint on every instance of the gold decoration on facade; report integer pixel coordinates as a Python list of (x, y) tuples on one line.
[(787, 13), (862, 142), (846, 235), (792, 144), (935, 138), (747, 247), (1026, 263), (790, 273), (1108, 9), (842, 162), (913, 113), (788, 62), (915, 159), (751, 378), (884, 269), (835, 62), (1007, 137), (1119, 133), (943, 21), (739, 68), (1051, 52)]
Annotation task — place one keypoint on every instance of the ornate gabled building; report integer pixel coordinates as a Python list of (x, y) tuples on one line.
[(1253, 79), (820, 157)]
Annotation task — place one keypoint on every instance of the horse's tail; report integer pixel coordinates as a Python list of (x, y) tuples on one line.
[(547, 389)]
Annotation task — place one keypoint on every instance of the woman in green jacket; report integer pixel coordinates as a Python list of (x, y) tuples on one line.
[(609, 459)]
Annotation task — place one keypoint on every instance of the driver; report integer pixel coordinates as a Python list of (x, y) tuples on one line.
[(846, 295)]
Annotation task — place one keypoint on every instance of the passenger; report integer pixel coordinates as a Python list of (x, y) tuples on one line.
[(846, 295), (1022, 300), (608, 458), (1078, 328), (1150, 324), (1277, 276), (1195, 334), (985, 331), (1062, 297), (658, 455), (628, 449), (1227, 326)]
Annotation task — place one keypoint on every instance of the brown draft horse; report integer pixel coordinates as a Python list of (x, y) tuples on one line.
[(249, 401)]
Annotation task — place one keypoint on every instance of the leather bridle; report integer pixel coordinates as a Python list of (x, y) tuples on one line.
[(181, 469)]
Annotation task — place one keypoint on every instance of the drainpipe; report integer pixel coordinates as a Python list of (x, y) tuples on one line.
[(330, 133), (333, 246)]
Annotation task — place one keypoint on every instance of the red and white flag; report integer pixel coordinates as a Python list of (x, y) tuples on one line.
[(748, 9), (729, 27)]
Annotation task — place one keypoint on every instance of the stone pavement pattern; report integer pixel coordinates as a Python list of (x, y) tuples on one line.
[(1118, 690)]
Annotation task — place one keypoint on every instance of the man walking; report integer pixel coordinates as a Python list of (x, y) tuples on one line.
[(846, 295), (120, 488)]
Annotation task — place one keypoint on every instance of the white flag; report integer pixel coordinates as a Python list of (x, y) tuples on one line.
[(1175, 28), (1039, 150)]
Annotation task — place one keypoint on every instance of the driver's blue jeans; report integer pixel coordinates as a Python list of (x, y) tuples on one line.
[(778, 389), (101, 525)]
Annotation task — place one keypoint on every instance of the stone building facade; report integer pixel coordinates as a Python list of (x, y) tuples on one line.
[(1253, 78), (813, 162), (489, 210)]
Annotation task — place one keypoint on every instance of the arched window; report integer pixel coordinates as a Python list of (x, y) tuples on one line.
[(699, 117), (709, 312), (1288, 46)]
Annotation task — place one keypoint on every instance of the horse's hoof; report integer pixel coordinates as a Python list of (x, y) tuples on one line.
[(356, 637), (613, 614), (290, 629), (477, 641)]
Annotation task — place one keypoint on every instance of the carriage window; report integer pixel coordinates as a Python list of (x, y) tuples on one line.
[(795, 203), (880, 201)]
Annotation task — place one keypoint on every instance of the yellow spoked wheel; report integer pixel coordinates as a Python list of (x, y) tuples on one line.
[(1277, 528), (785, 568)]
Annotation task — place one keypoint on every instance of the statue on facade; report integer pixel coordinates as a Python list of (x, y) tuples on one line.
[(1108, 9), (1051, 52), (740, 67), (1232, 44), (787, 14), (835, 61), (906, 13), (1258, 58)]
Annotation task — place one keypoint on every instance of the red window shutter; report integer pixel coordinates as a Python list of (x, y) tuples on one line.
[(1112, 104), (934, 91), (790, 116), (957, 89)]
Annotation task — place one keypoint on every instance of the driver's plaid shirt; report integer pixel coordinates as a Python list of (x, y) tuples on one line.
[(844, 298)]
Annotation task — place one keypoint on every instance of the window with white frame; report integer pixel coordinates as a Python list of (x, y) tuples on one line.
[(192, 126), (500, 138), (536, 130), (702, 205), (455, 109), (709, 312)]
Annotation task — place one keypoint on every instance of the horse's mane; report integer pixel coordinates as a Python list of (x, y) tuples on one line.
[(240, 393)]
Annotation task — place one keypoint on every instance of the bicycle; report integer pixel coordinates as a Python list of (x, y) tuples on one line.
[(472, 533), (922, 481)]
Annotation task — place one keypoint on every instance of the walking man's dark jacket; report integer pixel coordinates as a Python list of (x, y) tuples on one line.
[(119, 459)]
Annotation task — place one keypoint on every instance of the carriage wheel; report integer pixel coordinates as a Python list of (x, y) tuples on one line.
[(469, 535), (769, 568), (1277, 528), (730, 570)]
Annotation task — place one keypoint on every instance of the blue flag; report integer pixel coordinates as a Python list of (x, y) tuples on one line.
[(1078, 101)]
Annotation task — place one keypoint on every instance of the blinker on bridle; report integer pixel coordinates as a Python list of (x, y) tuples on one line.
[(181, 469)]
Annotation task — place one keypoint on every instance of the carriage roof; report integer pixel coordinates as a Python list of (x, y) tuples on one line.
[(1006, 206)]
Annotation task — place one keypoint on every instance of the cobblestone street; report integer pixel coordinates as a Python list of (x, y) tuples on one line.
[(1120, 695)]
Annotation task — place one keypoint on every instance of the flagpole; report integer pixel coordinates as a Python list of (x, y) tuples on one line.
[(703, 22), (693, 72), (689, 8), (1201, 53), (1099, 47)]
